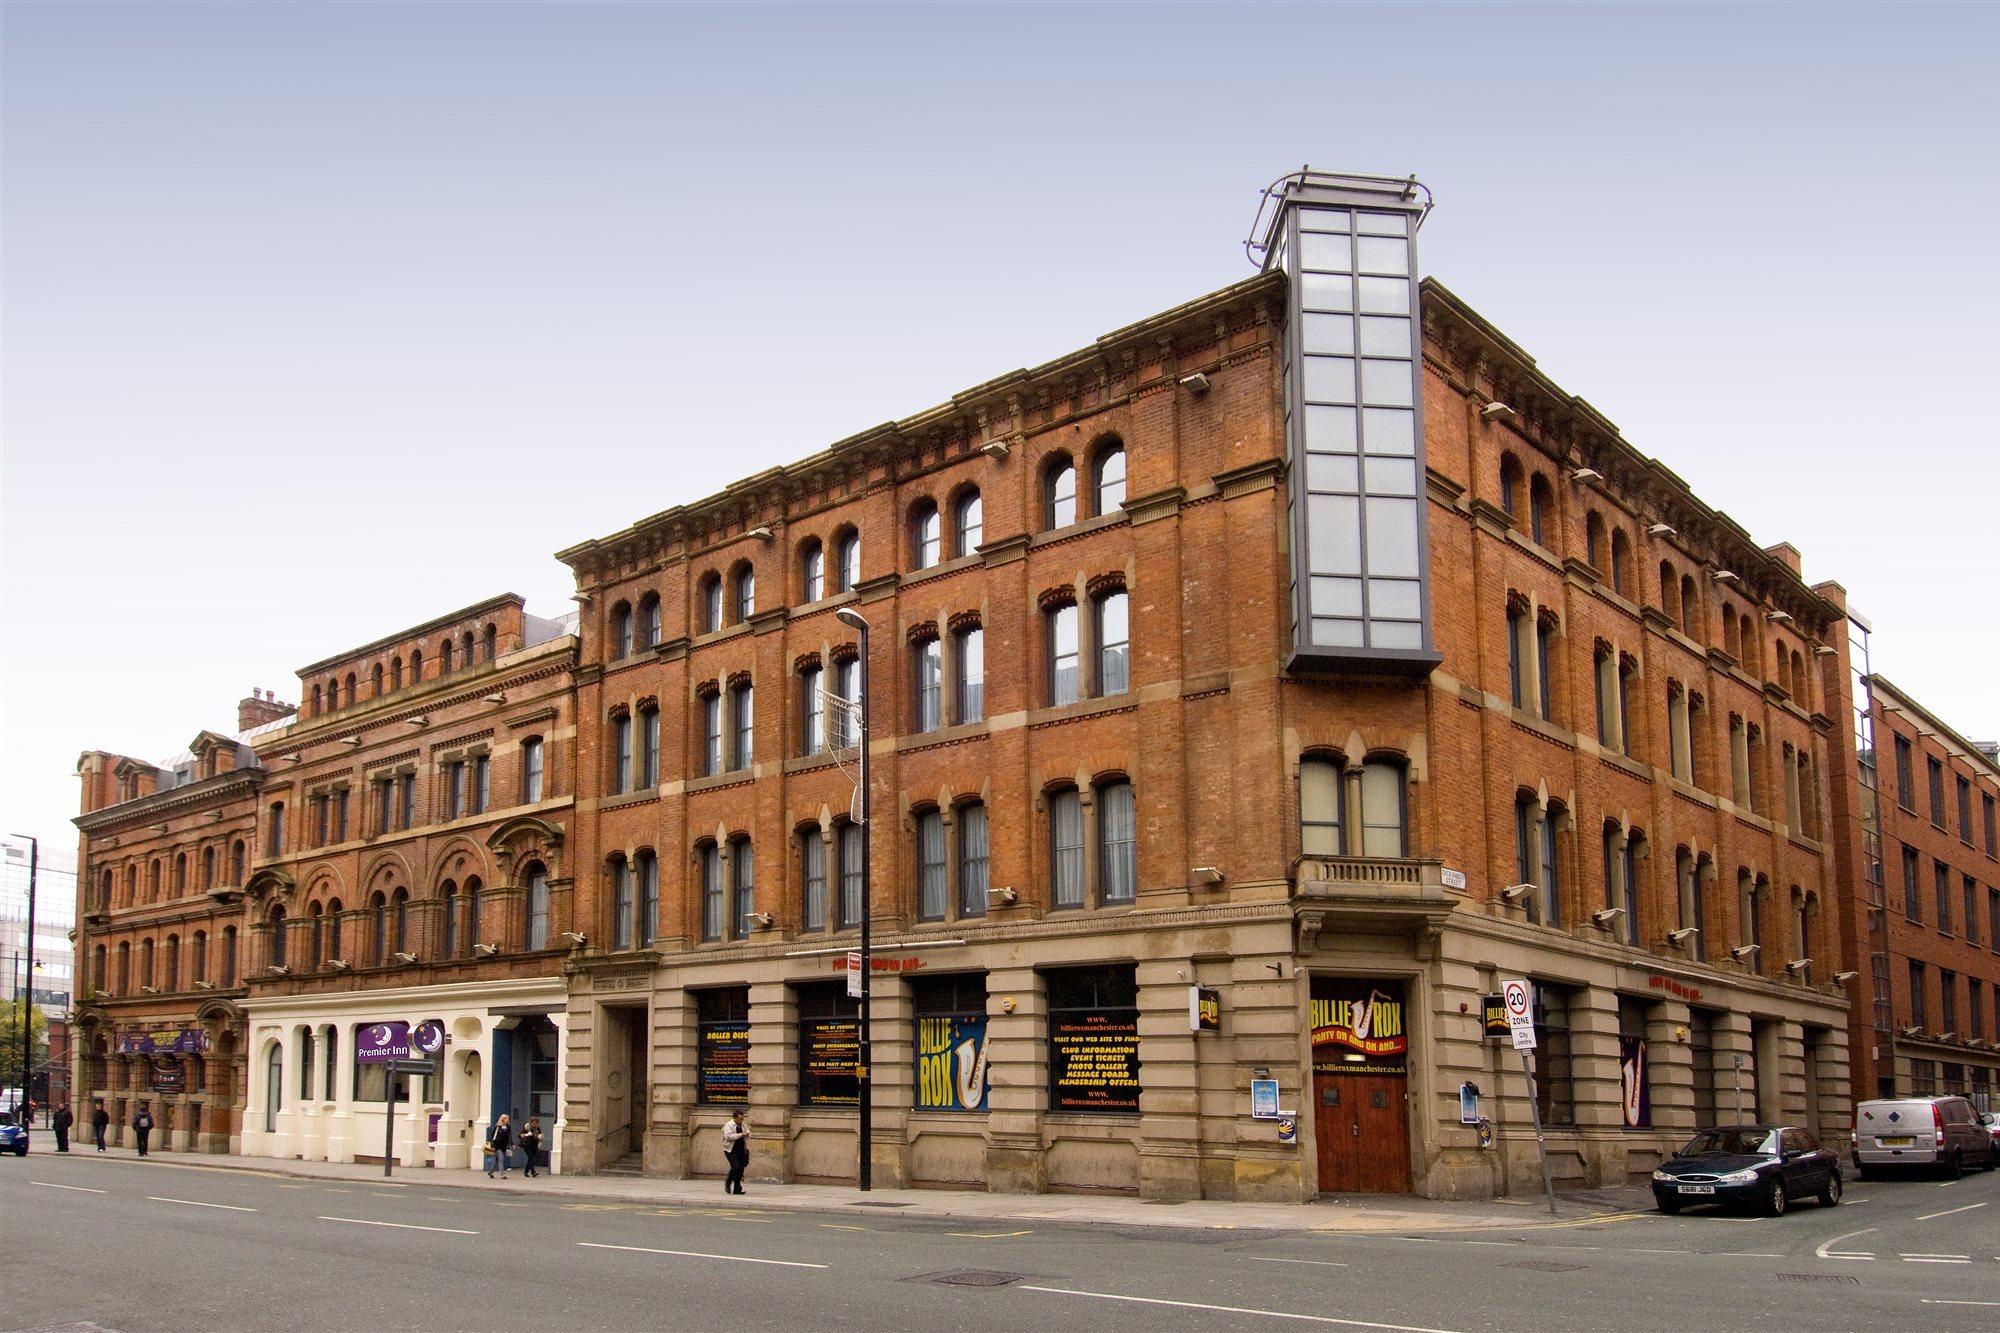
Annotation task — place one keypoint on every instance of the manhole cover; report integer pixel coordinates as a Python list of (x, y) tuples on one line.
[(1840, 1278), (976, 1278), (1547, 1266)]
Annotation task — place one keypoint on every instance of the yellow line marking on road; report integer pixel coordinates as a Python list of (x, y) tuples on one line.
[(842, 1226), (987, 1235)]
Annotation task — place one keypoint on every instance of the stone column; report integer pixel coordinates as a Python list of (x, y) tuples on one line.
[(1788, 1043), (673, 1049), (1735, 1089), (892, 1019), (1263, 1013), (774, 1078), (1018, 1076), (1170, 1119), (1670, 1069)]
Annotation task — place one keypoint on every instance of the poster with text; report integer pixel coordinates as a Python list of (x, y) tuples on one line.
[(1094, 1061), (951, 1063), (722, 1065)]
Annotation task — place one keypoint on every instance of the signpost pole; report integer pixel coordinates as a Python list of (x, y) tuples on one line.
[(864, 1054), (1541, 1142), (389, 1125), (1518, 1000)]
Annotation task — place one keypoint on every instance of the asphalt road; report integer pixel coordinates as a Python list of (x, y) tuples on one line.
[(132, 1246)]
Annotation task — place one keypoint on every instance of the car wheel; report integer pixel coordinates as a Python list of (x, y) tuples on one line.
[(1669, 1206), (1954, 1167), (1829, 1193), (1774, 1198), (1866, 1172)]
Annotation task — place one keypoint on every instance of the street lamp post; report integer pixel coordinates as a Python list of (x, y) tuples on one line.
[(864, 1054), (28, 1010)]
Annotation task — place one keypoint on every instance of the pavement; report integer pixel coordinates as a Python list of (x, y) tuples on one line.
[(1357, 1213), (91, 1243)]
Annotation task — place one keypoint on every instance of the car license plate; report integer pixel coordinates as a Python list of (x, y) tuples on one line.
[(1697, 1189), (1903, 1142)]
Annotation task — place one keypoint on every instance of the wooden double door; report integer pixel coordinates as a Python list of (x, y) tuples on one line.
[(1363, 1128)]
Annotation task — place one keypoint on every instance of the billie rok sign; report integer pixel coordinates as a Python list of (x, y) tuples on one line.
[(1357, 1026), (951, 1063)]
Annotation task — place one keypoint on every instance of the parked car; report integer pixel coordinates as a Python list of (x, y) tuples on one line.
[(1766, 1166), (13, 1137), (1944, 1132)]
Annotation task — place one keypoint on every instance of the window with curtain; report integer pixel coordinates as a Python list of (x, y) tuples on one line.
[(927, 660), (851, 886), (812, 874), (847, 561), (649, 621), (1066, 848), (1545, 636), (621, 753), (621, 904), (407, 805), (972, 860), (1635, 857), (710, 593), (742, 714), (621, 631), (1555, 1079), (930, 866), (1059, 494), (743, 868), (1114, 643), (649, 898), (842, 733), (1065, 653), (746, 593), (1110, 480), (711, 734), (1517, 667), (812, 712), (1118, 844), (649, 749), (1319, 808), (710, 857), (926, 535), (1384, 822), (537, 934), (448, 909), (970, 664), (531, 770)]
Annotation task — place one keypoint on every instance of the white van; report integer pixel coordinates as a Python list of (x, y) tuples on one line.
[(1921, 1131)]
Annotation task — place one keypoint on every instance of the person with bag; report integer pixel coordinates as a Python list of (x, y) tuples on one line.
[(531, 1143), (735, 1150), (61, 1124), (501, 1146), (142, 1126)]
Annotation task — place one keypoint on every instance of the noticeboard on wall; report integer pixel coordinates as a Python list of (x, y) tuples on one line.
[(1094, 1061)]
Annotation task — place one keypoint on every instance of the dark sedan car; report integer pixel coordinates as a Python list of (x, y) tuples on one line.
[(1766, 1166)]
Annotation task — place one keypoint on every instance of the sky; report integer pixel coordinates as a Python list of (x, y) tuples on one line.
[(321, 319)]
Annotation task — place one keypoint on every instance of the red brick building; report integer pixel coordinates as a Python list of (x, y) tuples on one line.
[(1922, 927)]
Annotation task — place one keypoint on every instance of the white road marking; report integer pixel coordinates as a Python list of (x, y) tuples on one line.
[(1320, 1263), (1659, 1251), (697, 1254), (1949, 1211), (1928, 1301), (1926, 1254), (197, 1203), (1503, 1244), (80, 1189), (1238, 1309), (1908, 1260), (400, 1226), (1826, 1250)]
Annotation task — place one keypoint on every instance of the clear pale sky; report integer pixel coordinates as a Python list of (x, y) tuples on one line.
[(322, 319)]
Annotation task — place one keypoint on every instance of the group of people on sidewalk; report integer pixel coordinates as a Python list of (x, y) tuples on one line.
[(64, 1120), (500, 1146)]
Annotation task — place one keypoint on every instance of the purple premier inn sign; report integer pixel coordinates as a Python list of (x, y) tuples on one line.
[(379, 1043)]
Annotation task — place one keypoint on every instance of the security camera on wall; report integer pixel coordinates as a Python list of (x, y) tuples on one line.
[(1516, 892), (1684, 934)]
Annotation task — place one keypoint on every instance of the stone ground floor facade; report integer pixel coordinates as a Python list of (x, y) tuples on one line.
[(180, 1058), (1070, 1053), (309, 1098)]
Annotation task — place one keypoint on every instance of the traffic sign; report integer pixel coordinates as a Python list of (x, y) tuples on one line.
[(1520, 1005), (854, 974)]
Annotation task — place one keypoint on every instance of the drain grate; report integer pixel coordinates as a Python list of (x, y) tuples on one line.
[(1547, 1266), (975, 1277), (1839, 1279)]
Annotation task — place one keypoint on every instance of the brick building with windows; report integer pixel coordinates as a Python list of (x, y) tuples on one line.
[(1275, 646), (1922, 928)]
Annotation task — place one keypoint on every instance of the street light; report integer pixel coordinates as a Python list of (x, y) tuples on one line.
[(27, 1019), (864, 1083)]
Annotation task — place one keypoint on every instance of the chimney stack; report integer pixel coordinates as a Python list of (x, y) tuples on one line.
[(262, 706)]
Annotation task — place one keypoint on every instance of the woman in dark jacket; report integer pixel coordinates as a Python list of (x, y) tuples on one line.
[(502, 1140), (531, 1143)]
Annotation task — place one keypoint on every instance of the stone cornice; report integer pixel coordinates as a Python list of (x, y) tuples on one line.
[(152, 807)]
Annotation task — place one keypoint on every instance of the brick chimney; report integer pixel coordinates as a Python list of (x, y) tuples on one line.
[(262, 706)]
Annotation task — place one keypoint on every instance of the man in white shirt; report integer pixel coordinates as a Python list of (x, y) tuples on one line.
[(736, 1149)]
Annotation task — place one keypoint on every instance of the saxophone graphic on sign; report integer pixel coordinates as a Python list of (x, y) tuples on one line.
[(970, 1066)]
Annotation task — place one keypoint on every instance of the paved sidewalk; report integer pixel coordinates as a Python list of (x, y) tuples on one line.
[(1353, 1213)]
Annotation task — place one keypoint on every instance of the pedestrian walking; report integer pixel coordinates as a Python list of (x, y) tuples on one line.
[(531, 1143), (100, 1121), (502, 1146), (63, 1120), (142, 1126), (736, 1150)]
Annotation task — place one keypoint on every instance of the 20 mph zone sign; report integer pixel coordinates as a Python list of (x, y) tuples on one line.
[(1520, 1005)]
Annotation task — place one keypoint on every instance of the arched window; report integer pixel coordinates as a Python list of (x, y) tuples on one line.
[(708, 861), (1690, 607), (416, 666), (474, 893), (124, 967), (238, 858), (1114, 642), (97, 968), (448, 909), (316, 935), (172, 971), (973, 859), (396, 673), (180, 873), (743, 886), (1732, 642), (1593, 540), (649, 621), (744, 591), (812, 570), (444, 658), (708, 603), (153, 881), (492, 637), (968, 522), (378, 936), (927, 695), (1511, 480), (198, 962), (1320, 806), (1059, 492), (621, 903), (1670, 591), (1065, 654), (334, 921), (467, 644), (1385, 824), (1117, 844), (649, 749), (378, 678), (926, 535), (1107, 481), (1621, 563), (1535, 860), (1541, 510), (846, 561), (351, 696), (932, 889), (319, 701), (537, 905), (621, 752), (399, 921), (812, 878), (1066, 848), (228, 977), (621, 631), (274, 1085), (207, 868), (277, 921), (742, 720), (850, 838), (648, 873)]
